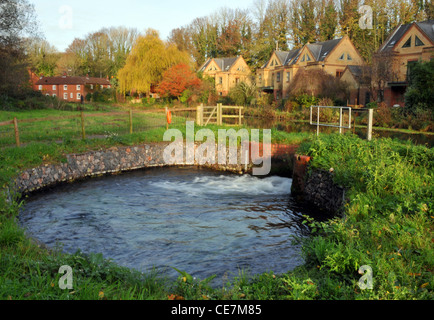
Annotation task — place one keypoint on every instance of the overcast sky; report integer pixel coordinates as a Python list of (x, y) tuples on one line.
[(63, 21)]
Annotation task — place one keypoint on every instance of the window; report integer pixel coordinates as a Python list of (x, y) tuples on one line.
[(54, 87), (65, 87), (410, 66), (407, 44), (418, 42), (78, 87), (65, 96), (91, 87), (72, 95), (342, 57), (220, 80), (272, 63), (339, 73), (278, 77), (78, 96), (260, 79), (272, 78), (102, 87), (304, 57), (288, 76), (40, 87), (308, 58), (349, 57)]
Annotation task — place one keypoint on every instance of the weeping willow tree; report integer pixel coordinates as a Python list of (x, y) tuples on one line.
[(148, 60)]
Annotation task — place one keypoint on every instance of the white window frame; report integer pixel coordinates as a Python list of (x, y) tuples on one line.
[(102, 87), (40, 87), (72, 95), (78, 87), (65, 96), (78, 96), (54, 87), (91, 87), (65, 87)]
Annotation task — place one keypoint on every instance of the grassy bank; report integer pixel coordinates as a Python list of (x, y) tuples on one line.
[(388, 226)]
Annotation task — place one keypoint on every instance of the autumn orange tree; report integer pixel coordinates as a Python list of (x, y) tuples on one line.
[(176, 80)]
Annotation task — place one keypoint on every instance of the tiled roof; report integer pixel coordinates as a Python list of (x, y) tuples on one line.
[(71, 81), (223, 63), (426, 26)]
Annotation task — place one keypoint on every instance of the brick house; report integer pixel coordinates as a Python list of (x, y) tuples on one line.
[(70, 88), (332, 56), (227, 72), (407, 44)]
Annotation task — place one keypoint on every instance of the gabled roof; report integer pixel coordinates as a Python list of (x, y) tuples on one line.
[(71, 81), (427, 27), (223, 63)]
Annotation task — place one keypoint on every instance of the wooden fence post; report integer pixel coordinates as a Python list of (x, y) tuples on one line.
[(220, 114), (131, 121), (199, 115), (83, 131), (240, 116), (17, 133)]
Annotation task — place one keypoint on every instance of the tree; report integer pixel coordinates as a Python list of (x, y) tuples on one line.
[(176, 80), (149, 59), (42, 56), (17, 21), (420, 93)]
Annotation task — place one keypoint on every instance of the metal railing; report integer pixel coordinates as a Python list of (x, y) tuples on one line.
[(318, 124), (340, 126)]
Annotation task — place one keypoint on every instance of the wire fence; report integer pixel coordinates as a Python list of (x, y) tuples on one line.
[(89, 125)]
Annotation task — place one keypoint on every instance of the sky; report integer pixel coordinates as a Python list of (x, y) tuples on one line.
[(63, 21)]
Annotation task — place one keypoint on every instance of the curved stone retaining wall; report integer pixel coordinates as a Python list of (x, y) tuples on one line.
[(317, 189), (115, 160)]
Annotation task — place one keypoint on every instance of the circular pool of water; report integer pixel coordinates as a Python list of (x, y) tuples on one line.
[(201, 221)]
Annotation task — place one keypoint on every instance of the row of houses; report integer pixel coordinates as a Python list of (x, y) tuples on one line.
[(339, 58), (406, 45)]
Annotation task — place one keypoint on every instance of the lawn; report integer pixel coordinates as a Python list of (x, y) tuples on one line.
[(387, 225)]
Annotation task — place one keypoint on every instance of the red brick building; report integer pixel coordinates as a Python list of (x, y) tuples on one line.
[(71, 88)]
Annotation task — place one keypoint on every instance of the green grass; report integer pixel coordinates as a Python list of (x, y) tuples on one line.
[(387, 224)]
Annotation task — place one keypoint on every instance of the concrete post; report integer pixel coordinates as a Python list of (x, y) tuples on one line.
[(370, 124)]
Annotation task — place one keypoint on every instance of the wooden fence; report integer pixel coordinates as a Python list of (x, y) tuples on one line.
[(129, 122)]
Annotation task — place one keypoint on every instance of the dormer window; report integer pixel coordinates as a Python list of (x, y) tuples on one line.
[(407, 44)]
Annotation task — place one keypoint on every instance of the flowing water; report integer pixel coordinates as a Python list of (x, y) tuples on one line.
[(200, 221)]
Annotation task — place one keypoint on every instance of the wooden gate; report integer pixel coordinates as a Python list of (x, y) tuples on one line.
[(216, 114)]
